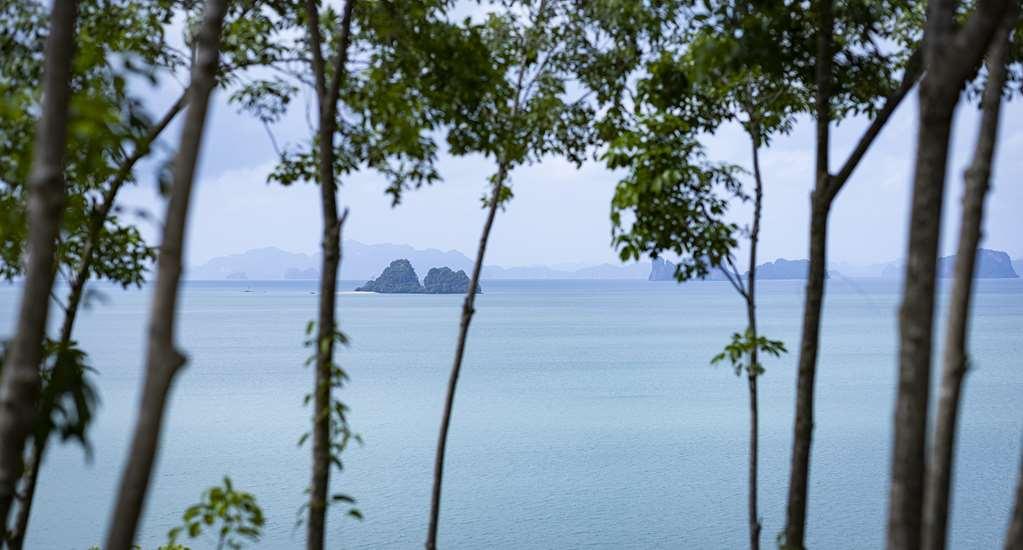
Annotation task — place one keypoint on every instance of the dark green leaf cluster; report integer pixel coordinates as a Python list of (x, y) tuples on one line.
[(533, 108), (677, 200), (117, 40), (237, 514), (68, 397), (409, 71), (730, 62), (739, 351)]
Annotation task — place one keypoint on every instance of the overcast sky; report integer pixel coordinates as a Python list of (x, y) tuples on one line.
[(561, 214)]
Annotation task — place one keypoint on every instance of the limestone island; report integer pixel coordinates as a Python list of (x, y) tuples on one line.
[(401, 278)]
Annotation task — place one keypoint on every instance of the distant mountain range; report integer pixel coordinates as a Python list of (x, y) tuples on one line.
[(664, 270), (991, 264), (366, 261)]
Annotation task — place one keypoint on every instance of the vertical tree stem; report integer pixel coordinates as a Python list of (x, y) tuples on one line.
[(751, 314), (977, 178), (952, 53), (795, 524), (19, 382), (326, 327), (463, 331), (163, 359), (74, 299), (1014, 535)]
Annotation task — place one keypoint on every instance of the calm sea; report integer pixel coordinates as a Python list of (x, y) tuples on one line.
[(587, 415)]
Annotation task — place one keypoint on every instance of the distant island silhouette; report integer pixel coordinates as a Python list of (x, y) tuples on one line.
[(400, 278)]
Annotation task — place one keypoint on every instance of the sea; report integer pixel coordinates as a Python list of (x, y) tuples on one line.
[(588, 415)]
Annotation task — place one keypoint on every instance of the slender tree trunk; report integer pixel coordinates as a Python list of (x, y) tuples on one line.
[(1014, 535), (327, 96), (468, 310), (951, 57), (826, 189), (753, 372), (939, 475), (74, 299), (19, 381), (163, 359), (795, 525), (17, 536)]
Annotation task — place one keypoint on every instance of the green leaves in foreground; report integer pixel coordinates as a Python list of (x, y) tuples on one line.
[(237, 514), (740, 349)]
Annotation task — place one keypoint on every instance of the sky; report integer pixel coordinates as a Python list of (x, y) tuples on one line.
[(560, 214)]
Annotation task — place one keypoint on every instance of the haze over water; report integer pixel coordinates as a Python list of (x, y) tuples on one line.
[(587, 415)]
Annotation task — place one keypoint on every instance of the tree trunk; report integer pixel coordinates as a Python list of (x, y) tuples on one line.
[(754, 370), (74, 299), (795, 525), (826, 189), (951, 57), (19, 381), (463, 331), (939, 475), (163, 360), (327, 96), (1014, 535)]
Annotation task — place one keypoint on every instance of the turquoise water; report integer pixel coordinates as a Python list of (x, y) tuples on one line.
[(587, 415)]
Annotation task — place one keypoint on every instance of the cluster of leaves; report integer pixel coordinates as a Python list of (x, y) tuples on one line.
[(236, 512), (409, 69), (739, 352), (731, 61), (341, 433), (533, 108), (117, 40), (68, 397), (674, 197)]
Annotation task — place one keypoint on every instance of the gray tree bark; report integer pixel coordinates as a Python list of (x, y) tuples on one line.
[(163, 360), (825, 191), (977, 178), (19, 381), (951, 56), (468, 309), (1014, 535), (74, 299), (327, 99), (753, 374)]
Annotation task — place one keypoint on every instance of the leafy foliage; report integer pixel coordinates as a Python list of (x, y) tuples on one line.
[(235, 516), (68, 397), (740, 349), (677, 200)]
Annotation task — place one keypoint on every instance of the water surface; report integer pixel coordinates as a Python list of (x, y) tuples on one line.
[(587, 415)]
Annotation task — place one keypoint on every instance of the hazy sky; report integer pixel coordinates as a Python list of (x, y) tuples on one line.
[(560, 214)]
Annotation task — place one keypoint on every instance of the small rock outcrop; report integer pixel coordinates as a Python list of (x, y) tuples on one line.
[(397, 278), (443, 280), (785, 269)]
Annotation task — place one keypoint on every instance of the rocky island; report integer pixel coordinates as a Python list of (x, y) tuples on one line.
[(401, 278)]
